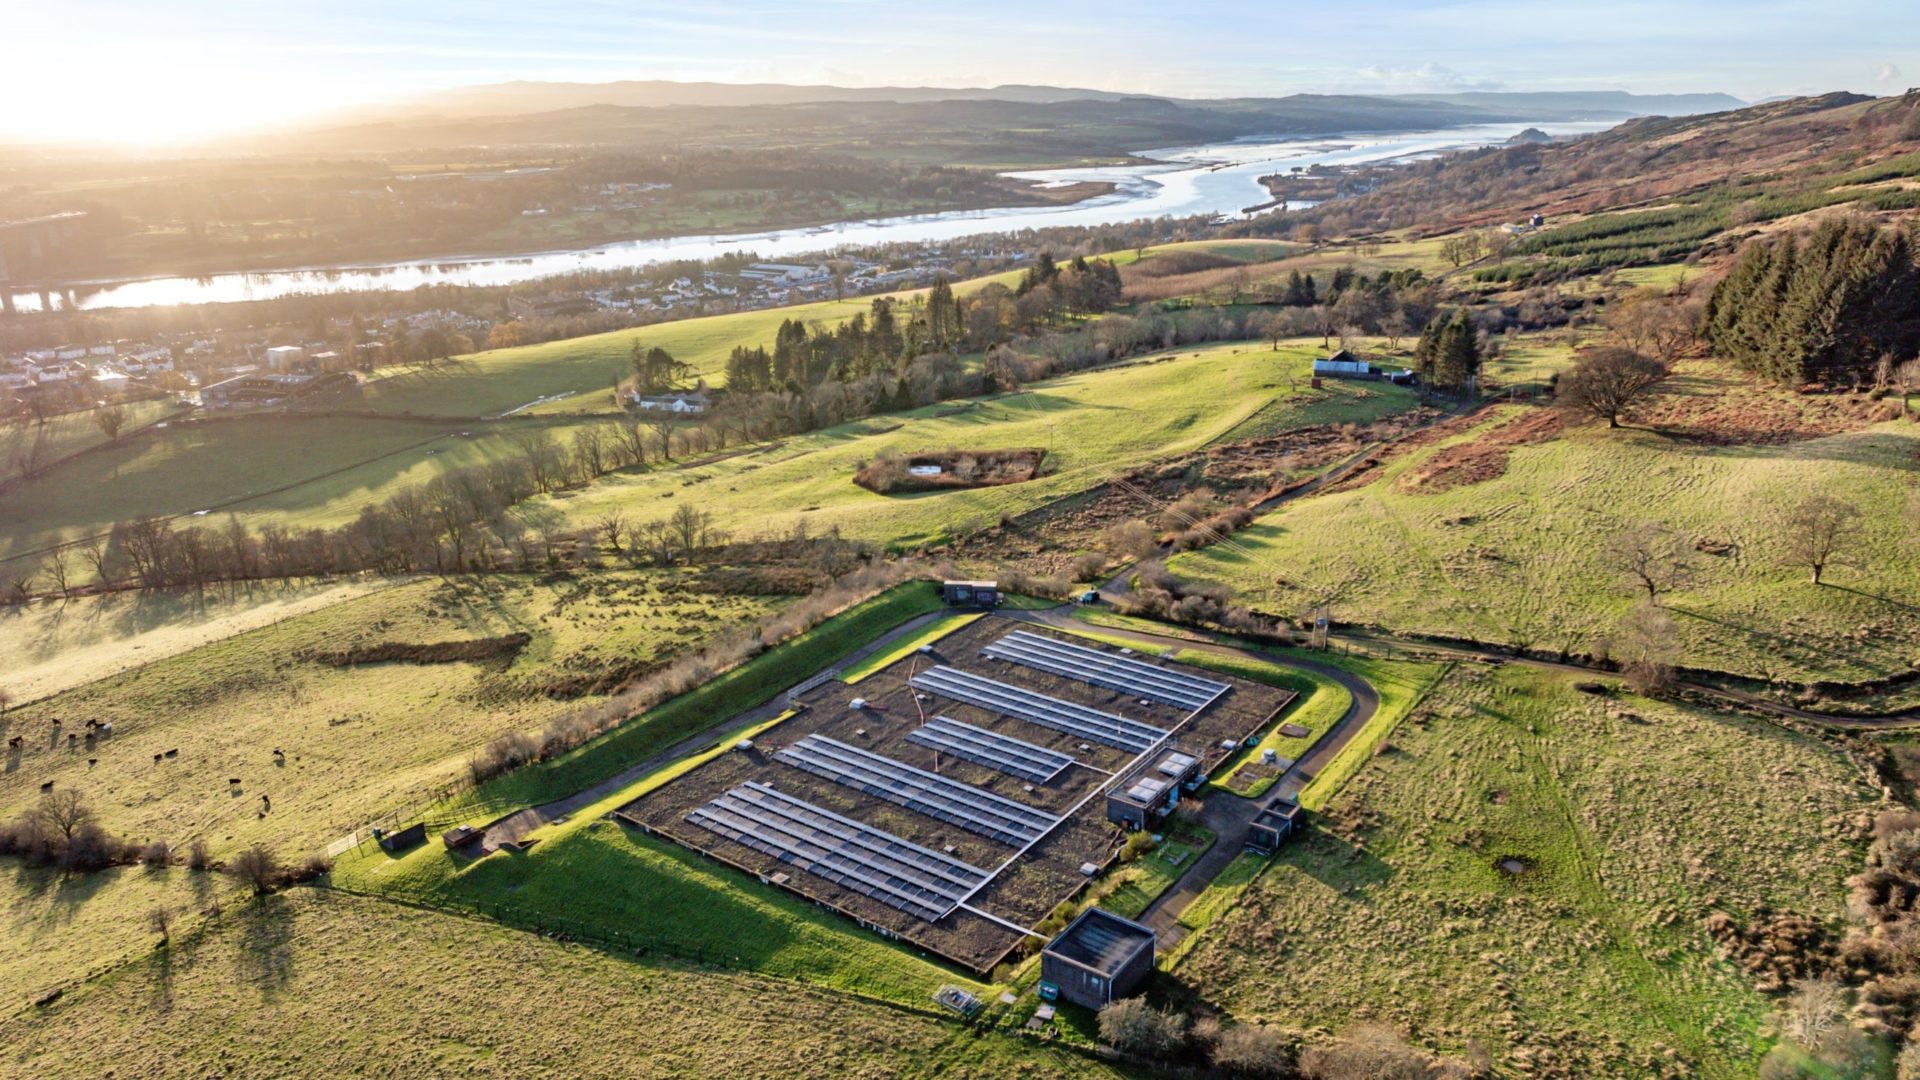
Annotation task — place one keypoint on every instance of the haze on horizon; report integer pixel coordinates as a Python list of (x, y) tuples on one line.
[(119, 71)]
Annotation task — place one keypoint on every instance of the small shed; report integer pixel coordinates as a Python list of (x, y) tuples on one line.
[(1344, 365), (970, 593), (402, 839), (1099, 958), (1277, 821)]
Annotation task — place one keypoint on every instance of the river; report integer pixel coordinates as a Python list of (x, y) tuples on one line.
[(1220, 179)]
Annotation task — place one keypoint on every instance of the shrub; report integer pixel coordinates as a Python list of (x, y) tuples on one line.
[(1254, 1050), (258, 868), (1139, 842), (157, 854), (1134, 1027), (197, 856)]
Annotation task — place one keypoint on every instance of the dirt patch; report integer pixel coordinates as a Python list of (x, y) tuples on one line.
[(1481, 460), (495, 650), (942, 470)]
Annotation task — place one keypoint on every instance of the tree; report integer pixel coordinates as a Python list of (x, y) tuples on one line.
[(1448, 354), (110, 420), (1819, 532), (613, 526), (1654, 558), (160, 921), (64, 812), (1905, 381), (258, 868), (690, 528), (1606, 383), (1132, 1026), (1647, 649)]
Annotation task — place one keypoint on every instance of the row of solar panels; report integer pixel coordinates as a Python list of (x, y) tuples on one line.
[(1002, 753), (870, 861), (1049, 712), (1136, 678), (974, 809)]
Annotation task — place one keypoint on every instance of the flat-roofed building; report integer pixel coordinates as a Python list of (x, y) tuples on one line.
[(1098, 959)]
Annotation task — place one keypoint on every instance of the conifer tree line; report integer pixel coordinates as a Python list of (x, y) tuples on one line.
[(1826, 307), (1448, 355), (885, 339)]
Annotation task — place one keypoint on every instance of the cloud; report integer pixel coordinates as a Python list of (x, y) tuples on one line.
[(1888, 75)]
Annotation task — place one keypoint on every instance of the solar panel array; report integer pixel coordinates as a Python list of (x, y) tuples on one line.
[(867, 860), (974, 809), (1049, 712), (990, 748), (1136, 678)]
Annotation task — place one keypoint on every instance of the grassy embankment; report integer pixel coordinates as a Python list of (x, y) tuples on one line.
[(358, 738), (1093, 424), (1530, 867), (298, 984), (1520, 556)]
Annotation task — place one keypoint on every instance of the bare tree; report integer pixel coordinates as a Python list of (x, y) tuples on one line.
[(662, 422), (1905, 381), (57, 568), (690, 528), (1655, 558), (64, 812), (160, 921), (613, 525), (258, 868), (1821, 531), (110, 421), (1648, 648), (94, 550), (1606, 383)]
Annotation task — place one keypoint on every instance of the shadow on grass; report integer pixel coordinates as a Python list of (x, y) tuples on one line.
[(265, 957)]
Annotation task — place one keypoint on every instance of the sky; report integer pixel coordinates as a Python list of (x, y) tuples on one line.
[(163, 71)]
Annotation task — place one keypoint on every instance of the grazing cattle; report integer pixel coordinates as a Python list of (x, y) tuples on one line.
[(46, 787), (157, 757), (106, 728), (72, 738), (173, 753), (233, 779), (16, 742), (266, 804), (277, 752), (56, 721), (92, 761)]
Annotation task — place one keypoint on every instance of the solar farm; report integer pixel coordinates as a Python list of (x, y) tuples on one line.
[(955, 797)]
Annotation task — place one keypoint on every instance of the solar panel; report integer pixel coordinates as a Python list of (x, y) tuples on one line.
[(990, 748), (1049, 712), (869, 861), (974, 809), (1096, 668)]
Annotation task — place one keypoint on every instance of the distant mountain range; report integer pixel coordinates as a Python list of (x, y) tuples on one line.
[(520, 98), (934, 125)]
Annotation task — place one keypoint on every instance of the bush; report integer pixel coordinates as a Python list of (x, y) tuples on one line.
[(1139, 842), (157, 854), (1131, 1026), (197, 856), (1254, 1050), (259, 869)]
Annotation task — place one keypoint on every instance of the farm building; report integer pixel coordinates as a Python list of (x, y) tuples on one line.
[(402, 839), (970, 593), (1345, 365), (1099, 958), (1142, 799), (1279, 820)]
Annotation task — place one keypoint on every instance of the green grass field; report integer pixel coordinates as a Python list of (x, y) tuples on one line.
[(55, 645), (304, 471), (1093, 424), (318, 982), (1520, 558), (22, 439), (358, 739), (1628, 824)]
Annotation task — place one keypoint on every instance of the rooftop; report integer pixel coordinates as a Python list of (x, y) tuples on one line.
[(1101, 940)]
